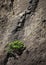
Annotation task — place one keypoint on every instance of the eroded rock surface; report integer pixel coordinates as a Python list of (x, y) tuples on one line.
[(26, 21)]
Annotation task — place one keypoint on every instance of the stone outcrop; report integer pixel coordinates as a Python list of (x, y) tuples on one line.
[(26, 21)]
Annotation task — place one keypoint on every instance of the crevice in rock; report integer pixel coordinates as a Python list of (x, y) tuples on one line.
[(7, 57), (32, 6), (15, 54), (20, 24), (29, 10)]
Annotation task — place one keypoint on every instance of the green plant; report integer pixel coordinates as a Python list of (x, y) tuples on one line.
[(15, 45)]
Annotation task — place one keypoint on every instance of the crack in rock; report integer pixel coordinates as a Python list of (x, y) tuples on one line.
[(29, 10), (21, 22)]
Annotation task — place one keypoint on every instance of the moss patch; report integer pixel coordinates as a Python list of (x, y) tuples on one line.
[(15, 45)]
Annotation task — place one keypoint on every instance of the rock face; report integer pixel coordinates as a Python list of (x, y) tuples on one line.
[(26, 21)]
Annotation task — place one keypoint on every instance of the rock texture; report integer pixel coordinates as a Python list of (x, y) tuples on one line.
[(26, 21)]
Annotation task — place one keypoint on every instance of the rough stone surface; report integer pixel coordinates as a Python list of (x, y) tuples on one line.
[(23, 20)]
